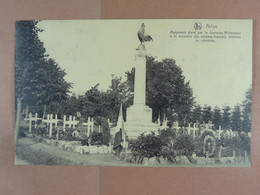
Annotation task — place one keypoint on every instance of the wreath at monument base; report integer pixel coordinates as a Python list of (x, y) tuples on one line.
[(209, 145)]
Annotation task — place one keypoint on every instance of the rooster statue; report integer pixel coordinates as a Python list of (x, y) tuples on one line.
[(142, 37)]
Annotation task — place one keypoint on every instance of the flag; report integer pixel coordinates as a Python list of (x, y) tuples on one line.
[(120, 124)]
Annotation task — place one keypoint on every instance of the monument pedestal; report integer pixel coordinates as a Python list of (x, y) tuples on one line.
[(139, 116), (139, 113), (138, 121)]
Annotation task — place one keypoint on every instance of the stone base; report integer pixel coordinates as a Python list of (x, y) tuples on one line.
[(139, 120), (139, 114), (133, 130)]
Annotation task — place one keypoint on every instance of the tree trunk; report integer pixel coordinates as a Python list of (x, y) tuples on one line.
[(27, 111), (44, 111), (17, 122)]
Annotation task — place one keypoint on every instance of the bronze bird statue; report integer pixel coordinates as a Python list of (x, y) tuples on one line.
[(142, 37)]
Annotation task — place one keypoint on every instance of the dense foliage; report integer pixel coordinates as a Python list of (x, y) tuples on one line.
[(147, 146), (167, 145), (237, 118), (38, 79), (184, 145)]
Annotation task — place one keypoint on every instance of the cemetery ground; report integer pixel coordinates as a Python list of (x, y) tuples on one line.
[(30, 152), (35, 148)]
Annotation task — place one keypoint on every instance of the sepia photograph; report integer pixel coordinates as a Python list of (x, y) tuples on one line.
[(145, 93)]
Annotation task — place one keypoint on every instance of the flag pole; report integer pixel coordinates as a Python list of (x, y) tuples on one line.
[(122, 124)]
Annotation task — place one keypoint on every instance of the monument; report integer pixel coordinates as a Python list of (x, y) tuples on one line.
[(139, 115)]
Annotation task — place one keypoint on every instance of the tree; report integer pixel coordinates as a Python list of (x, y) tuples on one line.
[(247, 110), (236, 122), (71, 105), (117, 94), (29, 53), (207, 114), (226, 117), (38, 80), (166, 89), (94, 103), (106, 136), (50, 88), (196, 114), (216, 118)]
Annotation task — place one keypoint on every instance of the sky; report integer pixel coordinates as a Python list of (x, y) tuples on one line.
[(91, 51)]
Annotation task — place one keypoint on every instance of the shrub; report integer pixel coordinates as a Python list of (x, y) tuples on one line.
[(106, 136), (226, 152), (22, 131), (85, 142), (168, 153), (146, 146), (198, 147), (66, 135), (41, 131), (223, 141), (96, 138), (106, 132), (181, 131), (167, 136), (240, 143), (184, 145)]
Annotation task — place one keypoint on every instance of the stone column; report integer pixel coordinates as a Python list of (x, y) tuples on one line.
[(140, 76), (139, 115)]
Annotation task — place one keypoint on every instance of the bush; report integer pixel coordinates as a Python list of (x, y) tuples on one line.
[(168, 153), (240, 144), (167, 136), (226, 152), (85, 142), (106, 136), (146, 146), (40, 131), (66, 135), (181, 131), (22, 131), (106, 132), (223, 141), (96, 138), (198, 147), (184, 145)]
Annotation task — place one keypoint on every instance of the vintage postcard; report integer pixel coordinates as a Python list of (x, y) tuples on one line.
[(160, 93)]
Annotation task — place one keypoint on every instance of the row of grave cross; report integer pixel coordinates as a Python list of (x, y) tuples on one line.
[(194, 129), (53, 121)]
